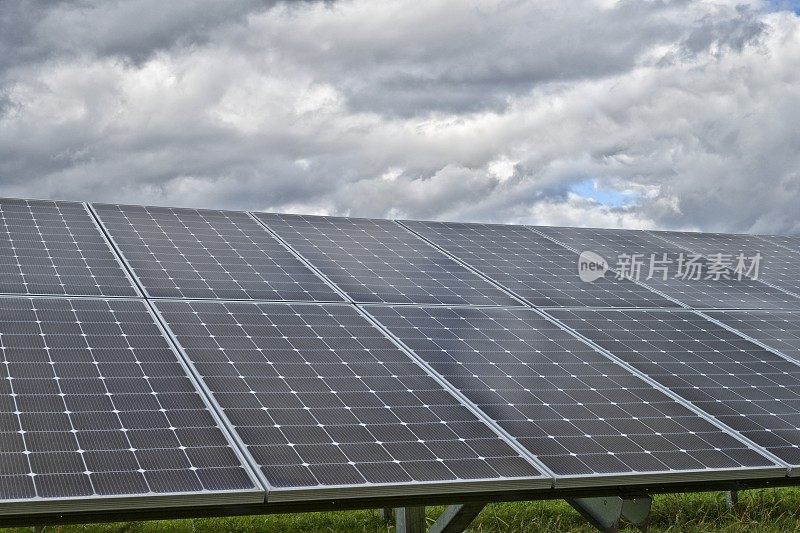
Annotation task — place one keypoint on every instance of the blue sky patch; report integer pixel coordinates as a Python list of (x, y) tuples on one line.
[(608, 197)]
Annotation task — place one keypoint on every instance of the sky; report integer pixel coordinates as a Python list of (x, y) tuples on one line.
[(637, 114)]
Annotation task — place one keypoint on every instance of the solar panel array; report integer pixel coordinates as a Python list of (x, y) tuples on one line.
[(55, 248), (96, 403), (193, 253), (532, 266), (752, 390), (321, 397), (377, 261), (777, 260), (572, 407), (684, 277), (158, 356)]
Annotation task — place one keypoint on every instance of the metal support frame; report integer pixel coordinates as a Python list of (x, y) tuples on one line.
[(410, 520), (731, 499), (386, 514), (604, 513), (456, 518)]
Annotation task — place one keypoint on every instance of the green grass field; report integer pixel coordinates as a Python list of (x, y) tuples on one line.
[(774, 510)]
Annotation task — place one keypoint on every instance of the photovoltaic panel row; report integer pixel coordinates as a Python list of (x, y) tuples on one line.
[(745, 386), (322, 398), (578, 411), (780, 330), (55, 248), (195, 253), (777, 264), (94, 404), (378, 261), (690, 280), (788, 241), (532, 266)]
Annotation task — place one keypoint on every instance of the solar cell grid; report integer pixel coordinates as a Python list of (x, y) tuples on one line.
[(378, 261), (532, 266), (780, 330), (579, 412), (700, 293), (321, 398), (789, 241), (94, 403), (55, 248), (193, 253), (778, 265), (745, 386)]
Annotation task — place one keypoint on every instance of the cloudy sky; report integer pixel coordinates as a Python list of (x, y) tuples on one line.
[(662, 114)]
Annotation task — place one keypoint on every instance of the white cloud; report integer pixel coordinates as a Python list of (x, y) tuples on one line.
[(491, 111)]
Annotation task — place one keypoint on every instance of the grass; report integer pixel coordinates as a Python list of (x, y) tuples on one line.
[(772, 510)]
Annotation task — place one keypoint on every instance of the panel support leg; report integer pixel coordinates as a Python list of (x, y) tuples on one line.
[(604, 512), (731, 499), (456, 518), (386, 514), (637, 511), (410, 519)]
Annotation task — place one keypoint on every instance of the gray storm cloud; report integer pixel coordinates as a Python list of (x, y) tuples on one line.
[(667, 114)]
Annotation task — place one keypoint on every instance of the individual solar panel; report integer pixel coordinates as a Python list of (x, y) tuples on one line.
[(194, 253), (378, 261), (778, 265), (578, 411), (95, 404), (780, 330), (715, 293), (322, 399), (56, 248), (532, 266), (749, 388)]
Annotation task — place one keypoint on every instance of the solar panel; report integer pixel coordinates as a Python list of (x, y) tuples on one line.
[(380, 262), (752, 390), (321, 399), (55, 248), (690, 280), (778, 265), (532, 266), (578, 411), (194, 253), (788, 241), (94, 404), (780, 330)]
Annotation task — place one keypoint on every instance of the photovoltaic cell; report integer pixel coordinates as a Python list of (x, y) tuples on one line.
[(780, 330), (574, 408), (55, 248), (321, 398), (194, 253), (94, 402), (532, 266), (777, 264), (378, 261), (709, 291), (752, 390)]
